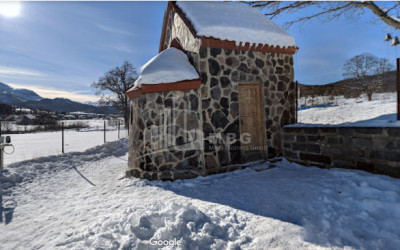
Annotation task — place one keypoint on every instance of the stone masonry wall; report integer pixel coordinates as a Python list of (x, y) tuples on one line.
[(166, 136), (211, 110), (222, 71), (371, 149)]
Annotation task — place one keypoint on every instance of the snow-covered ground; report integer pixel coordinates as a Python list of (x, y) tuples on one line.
[(381, 111), (33, 145), (48, 205)]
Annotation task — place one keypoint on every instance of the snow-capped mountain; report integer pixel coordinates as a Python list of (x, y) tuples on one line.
[(24, 98), (65, 105), (10, 96)]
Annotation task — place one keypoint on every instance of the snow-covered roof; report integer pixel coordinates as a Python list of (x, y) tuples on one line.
[(169, 66), (234, 22)]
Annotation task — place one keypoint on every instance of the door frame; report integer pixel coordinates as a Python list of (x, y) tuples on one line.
[(262, 118)]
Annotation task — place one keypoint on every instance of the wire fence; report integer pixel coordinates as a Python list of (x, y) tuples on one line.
[(31, 142)]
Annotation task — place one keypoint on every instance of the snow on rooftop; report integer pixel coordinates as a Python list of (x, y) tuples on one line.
[(234, 22), (170, 65)]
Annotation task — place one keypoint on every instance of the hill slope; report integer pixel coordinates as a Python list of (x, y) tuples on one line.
[(9, 95), (65, 105), (348, 87), (24, 98)]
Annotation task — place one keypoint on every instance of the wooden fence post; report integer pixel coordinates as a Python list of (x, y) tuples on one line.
[(62, 137), (296, 102), (118, 127), (1, 158), (398, 89)]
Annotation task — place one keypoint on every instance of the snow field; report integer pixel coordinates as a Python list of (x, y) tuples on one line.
[(33, 145), (381, 111), (269, 205), (93, 124)]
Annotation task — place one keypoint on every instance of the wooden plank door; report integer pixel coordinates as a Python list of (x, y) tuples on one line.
[(251, 121)]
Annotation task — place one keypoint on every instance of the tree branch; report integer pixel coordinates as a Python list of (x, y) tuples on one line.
[(330, 9), (381, 13), (343, 7)]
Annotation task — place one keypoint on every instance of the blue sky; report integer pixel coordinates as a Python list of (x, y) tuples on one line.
[(59, 48)]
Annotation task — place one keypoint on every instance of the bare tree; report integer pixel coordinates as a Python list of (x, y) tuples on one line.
[(329, 10), (367, 70), (115, 82)]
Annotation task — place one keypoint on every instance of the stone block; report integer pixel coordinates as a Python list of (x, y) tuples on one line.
[(343, 163), (300, 138), (215, 51), (392, 156), (189, 153), (332, 150), (346, 131), (315, 158), (377, 155), (184, 175), (291, 155), (313, 148), (299, 147), (335, 140), (314, 138), (384, 144), (287, 145), (369, 131), (361, 142), (311, 131), (165, 176), (354, 153), (328, 130), (393, 132), (288, 137), (150, 176), (292, 130)]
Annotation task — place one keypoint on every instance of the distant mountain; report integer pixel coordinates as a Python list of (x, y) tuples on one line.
[(24, 98), (97, 103), (27, 94), (5, 88), (10, 96), (65, 105), (348, 87)]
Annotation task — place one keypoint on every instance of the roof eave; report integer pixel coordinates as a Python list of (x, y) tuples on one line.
[(164, 87), (226, 44)]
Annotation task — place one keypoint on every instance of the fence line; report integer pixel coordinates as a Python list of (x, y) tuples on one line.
[(29, 146), (104, 132)]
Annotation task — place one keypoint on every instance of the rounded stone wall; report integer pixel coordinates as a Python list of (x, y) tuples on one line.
[(166, 136)]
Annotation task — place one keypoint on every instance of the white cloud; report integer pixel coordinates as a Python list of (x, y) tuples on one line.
[(121, 47), (51, 93), (8, 71), (114, 30)]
